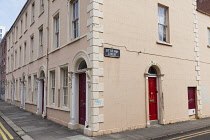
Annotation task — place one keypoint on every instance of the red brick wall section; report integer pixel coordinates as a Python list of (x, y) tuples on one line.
[(204, 6)]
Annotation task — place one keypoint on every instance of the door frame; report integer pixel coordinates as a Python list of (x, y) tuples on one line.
[(160, 98), (74, 122)]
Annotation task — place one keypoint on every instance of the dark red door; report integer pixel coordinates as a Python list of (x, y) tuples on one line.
[(153, 109), (191, 97), (42, 96), (82, 98)]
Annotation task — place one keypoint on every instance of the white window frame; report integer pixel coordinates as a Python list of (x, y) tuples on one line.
[(208, 37), (29, 88), (41, 6), (32, 48), (26, 20), (16, 59), (56, 27), (33, 12), (163, 25), (35, 89), (64, 84), (41, 41), (52, 85), (20, 56), (75, 19), (25, 54)]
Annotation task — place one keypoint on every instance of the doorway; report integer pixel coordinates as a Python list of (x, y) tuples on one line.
[(153, 107), (153, 95), (191, 101), (82, 98)]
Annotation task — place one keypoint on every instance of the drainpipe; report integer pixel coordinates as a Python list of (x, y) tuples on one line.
[(48, 9)]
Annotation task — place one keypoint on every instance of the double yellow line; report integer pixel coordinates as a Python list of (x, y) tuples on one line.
[(2, 133), (191, 135)]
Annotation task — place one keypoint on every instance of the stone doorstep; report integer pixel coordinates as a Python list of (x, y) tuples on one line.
[(16, 128)]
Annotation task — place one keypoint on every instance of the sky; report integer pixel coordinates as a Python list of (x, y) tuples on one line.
[(9, 10)]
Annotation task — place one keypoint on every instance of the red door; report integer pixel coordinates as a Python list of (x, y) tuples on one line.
[(191, 99), (82, 98), (153, 109)]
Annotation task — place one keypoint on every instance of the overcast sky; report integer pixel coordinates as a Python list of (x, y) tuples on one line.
[(9, 11)]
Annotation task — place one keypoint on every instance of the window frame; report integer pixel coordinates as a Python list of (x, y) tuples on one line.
[(41, 6), (32, 48), (75, 16), (64, 85), (164, 26), (25, 54), (41, 33), (53, 85), (56, 30), (33, 12)]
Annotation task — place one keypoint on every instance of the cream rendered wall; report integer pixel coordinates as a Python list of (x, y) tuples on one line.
[(203, 26), (134, 24), (57, 57)]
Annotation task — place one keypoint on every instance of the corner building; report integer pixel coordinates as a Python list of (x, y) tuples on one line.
[(56, 65)]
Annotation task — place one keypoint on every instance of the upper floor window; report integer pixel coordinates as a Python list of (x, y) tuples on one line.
[(20, 57), (75, 19), (25, 44), (26, 20), (16, 33), (208, 36), (32, 48), (56, 30), (33, 12), (0, 30), (41, 6), (40, 41), (21, 27), (163, 23), (16, 57)]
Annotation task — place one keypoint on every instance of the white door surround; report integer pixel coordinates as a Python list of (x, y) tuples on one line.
[(74, 91), (41, 99)]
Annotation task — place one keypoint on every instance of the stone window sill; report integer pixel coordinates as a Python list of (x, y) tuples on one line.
[(164, 43)]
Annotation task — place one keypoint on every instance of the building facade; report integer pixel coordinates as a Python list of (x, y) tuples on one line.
[(3, 56), (107, 66), (2, 32)]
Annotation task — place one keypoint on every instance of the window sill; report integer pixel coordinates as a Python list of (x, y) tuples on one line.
[(56, 108), (30, 103), (32, 23), (41, 13), (20, 37), (16, 42), (164, 43), (25, 31)]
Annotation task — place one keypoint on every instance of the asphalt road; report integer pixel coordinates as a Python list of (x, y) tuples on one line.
[(7, 133), (201, 134)]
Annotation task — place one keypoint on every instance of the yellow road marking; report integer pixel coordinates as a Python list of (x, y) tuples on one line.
[(195, 136), (3, 135), (190, 135), (5, 130)]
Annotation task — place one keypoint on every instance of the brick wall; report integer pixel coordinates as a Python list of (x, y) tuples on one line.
[(203, 5)]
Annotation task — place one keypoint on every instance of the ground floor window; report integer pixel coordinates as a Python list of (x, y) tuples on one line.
[(64, 75)]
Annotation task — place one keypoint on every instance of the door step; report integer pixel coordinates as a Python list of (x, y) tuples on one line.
[(154, 122)]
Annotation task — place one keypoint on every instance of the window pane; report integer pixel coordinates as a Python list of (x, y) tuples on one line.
[(161, 11)]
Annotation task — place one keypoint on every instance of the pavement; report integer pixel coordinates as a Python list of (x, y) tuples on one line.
[(32, 127)]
